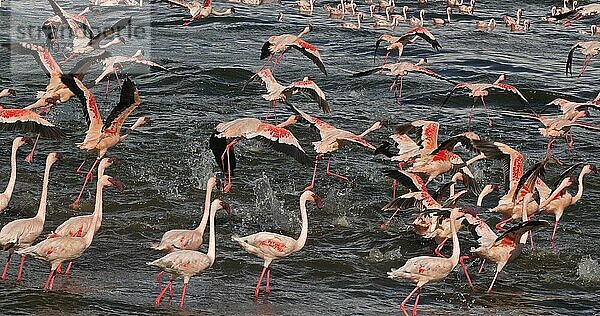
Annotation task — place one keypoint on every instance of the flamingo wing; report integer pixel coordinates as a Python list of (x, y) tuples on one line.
[(115, 28), (566, 173), (61, 14), (206, 3), (368, 72), (357, 140), (401, 203), (429, 72), (309, 51), (83, 66), (529, 178), (408, 179), (322, 126), (28, 121), (217, 146), (509, 88), (452, 142), (458, 86), (129, 101), (87, 99), (281, 140), (480, 229), (513, 234), (41, 55), (586, 125), (569, 65), (424, 34), (312, 89)]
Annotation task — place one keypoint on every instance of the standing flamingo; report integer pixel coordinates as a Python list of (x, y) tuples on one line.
[(187, 263), (7, 194), (560, 199), (271, 246), (332, 139), (101, 136), (227, 134), (21, 233), (425, 269), (282, 43), (66, 248)]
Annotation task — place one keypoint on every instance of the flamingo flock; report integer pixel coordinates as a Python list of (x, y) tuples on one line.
[(417, 159)]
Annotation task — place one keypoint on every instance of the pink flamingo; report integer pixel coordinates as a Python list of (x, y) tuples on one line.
[(66, 248), (199, 10), (227, 134), (187, 263), (101, 136), (21, 233), (271, 246), (7, 92), (589, 49), (332, 139), (399, 42), (7, 194)]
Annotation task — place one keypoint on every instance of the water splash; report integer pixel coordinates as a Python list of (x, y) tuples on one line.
[(587, 269), (266, 201)]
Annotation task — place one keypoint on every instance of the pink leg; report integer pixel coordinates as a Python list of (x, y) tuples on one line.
[(500, 226), (50, 277), (257, 289), (531, 239), (52, 282), (386, 57), (158, 279), (414, 310), (312, 183), (69, 268), (394, 185), (439, 247), (78, 170), (6, 266), (21, 268), (553, 235), (183, 295), (493, 281), (171, 293), (59, 268), (486, 112), (385, 225), (88, 176), (585, 64), (481, 268), (334, 174), (268, 287), (162, 293), (68, 58), (29, 157), (400, 94), (227, 183), (417, 288), (461, 259)]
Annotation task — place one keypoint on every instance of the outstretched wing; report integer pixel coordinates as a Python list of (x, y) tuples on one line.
[(90, 108), (569, 66), (117, 27), (217, 146), (409, 180), (61, 14), (129, 101), (514, 233), (281, 140), (41, 55), (509, 88), (367, 72), (181, 3), (28, 121), (312, 89), (424, 34), (309, 51)]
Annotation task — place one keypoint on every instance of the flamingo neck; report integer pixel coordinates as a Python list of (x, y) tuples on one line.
[(455, 244), (206, 214), (304, 232), (524, 218), (89, 235), (448, 12), (211, 239), (579, 194), (482, 196), (41, 213), (13, 172), (358, 21), (375, 126)]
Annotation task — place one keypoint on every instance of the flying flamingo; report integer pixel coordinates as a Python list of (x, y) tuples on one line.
[(282, 43), (21, 233), (199, 10), (506, 247), (28, 121), (480, 90), (589, 49), (425, 269), (66, 248), (227, 134), (332, 139), (101, 136), (578, 13), (78, 24), (271, 246), (114, 63), (277, 92), (399, 42), (187, 263), (7, 194), (79, 225), (187, 239), (399, 70), (560, 199)]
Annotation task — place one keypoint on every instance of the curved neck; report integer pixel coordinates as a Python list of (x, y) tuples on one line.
[(579, 194), (211, 238), (455, 245), (304, 233), (89, 235), (13, 172), (358, 21), (206, 214), (41, 213)]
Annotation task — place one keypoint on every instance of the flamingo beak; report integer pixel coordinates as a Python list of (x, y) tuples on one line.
[(28, 141), (12, 92), (59, 156), (318, 201), (226, 207), (114, 162), (117, 184), (593, 168)]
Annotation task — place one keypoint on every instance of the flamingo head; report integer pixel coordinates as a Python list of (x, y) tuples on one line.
[(372, 9), (589, 169), (8, 91), (108, 181), (594, 29), (107, 162), (54, 157), (315, 198), (20, 141), (422, 61), (220, 205)]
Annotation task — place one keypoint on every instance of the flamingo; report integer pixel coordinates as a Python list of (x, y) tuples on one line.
[(199, 10), (414, 21), (582, 12), (379, 24), (7, 194), (521, 28), (101, 136), (187, 263), (187, 239), (439, 21), (385, 17), (560, 199), (506, 247), (480, 90), (399, 70), (277, 92), (399, 42), (305, 6), (332, 139), (227, 134), (467, 9), (114, 63), (28, 121), (488, 26), (78, 24), (425, 269), (282, 43), (21, 233), (271, 246), (589, 49), (79, 225), (352, 26), (454, 3), (66, 248), (509, 20)]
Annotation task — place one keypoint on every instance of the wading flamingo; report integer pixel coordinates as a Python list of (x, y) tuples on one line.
[(7, 194)]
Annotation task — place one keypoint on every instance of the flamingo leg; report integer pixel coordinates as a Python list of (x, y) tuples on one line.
[(312, 183), (493, 281), (549, 147), (329, 173), (500, 226), (68, 271), (29, 157), (50, 278), (386, 57), (257, 289), (531, 239), (52, 282), (394, 185), (68, 58), (407, 298), (481, 268), (88, 176), (414, 310), (461, 259), (162, 293), (6, 266), (158, 279), (586, 61), (227, 183), (439, 247), (21, 268), (171, 292), (78, 170), (486, 112), (183, 295), (554, 235), (400, 93), (385, 225), (59, 268), (268, 287)]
